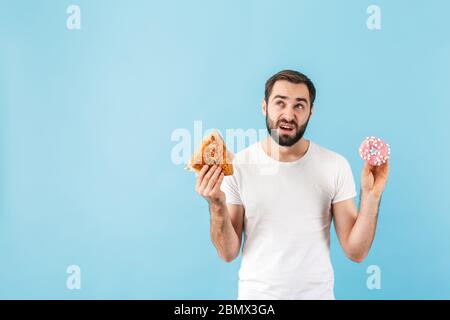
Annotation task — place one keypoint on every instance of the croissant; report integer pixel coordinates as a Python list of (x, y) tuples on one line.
[(212, 151)]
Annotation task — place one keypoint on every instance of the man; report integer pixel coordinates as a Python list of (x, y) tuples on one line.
[(286, 215)]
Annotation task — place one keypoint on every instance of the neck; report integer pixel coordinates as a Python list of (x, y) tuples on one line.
[(285, 154)]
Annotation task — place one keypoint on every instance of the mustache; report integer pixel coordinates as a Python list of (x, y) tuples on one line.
[(293, 123)]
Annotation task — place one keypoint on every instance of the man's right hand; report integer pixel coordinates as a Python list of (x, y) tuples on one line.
[(208, 184), (226, 220)]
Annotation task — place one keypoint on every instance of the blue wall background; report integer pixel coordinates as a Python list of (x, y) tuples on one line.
[(86, 118)]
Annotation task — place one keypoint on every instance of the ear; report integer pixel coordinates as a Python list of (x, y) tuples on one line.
[(311, 111), (264, 107)]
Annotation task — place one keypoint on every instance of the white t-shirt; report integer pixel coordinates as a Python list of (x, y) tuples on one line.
[(286, 251)]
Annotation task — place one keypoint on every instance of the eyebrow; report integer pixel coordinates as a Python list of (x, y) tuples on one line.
[(284, 98)]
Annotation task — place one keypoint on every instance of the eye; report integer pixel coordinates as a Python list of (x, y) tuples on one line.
[(279, 103), (299, 106)]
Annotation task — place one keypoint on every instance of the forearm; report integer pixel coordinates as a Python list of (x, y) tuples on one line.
[(223, 235), (363, 231)]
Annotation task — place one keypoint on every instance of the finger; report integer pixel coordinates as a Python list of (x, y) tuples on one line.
[(200, 176), (207, 177), (367, 168), (214, 178), (219, 182), (382, 170), (386, 167)]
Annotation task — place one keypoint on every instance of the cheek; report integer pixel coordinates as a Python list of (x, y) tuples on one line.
[(303, 116), (273, 114), (273, 118)]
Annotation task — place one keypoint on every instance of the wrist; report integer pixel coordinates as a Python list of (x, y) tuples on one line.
[(370, 195), (217, 206), (369, 204)]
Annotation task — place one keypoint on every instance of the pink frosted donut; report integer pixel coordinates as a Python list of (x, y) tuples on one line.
[(375, 151)]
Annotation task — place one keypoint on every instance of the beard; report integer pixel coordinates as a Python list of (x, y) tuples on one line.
[(285, 140)]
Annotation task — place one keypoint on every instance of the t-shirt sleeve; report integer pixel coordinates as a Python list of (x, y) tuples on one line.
[(344, 183), (230, 188)]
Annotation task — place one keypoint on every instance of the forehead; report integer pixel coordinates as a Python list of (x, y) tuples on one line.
[(289, 89)]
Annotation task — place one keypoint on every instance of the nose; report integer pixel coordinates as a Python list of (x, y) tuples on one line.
[(288, 115)]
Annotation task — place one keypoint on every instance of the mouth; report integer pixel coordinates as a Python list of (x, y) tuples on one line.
[(286, 128)]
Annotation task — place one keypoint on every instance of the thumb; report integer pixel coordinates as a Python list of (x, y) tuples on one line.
[(366, 169)]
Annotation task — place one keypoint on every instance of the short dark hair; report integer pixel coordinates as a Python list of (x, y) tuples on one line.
[(293, 77)]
